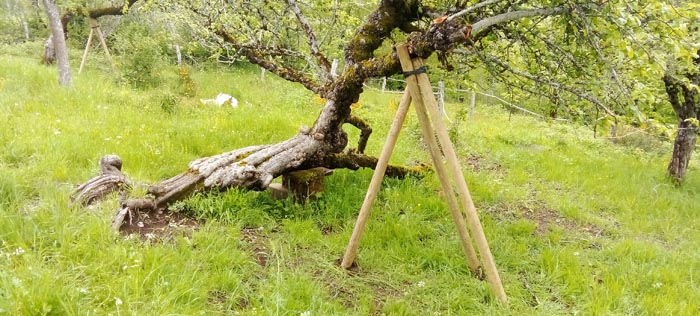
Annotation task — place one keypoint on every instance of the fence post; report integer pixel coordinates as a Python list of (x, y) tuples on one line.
[(179, 54), (262, 73), (471, 106), (383, 84), (25, 27)]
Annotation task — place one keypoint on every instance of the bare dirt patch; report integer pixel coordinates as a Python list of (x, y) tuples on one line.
[(256, 242), (544, 217), (158, 225), (479, 164)]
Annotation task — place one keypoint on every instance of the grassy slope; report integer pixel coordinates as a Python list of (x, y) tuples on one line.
[(577, 226)]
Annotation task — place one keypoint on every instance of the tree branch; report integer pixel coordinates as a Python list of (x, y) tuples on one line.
[(514, 15), (472, 8), (554, 84), (365, 131), (257, 56), (94, 13), (322, 60), (378, 26), (354, 161)]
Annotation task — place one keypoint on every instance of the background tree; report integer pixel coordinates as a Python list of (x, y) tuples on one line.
[(59, 43), (682, 90)]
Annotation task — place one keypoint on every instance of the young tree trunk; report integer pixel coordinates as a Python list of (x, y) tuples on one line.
[(59, 43)]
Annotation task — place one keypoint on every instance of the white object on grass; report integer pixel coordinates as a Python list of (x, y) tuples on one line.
[(221, 99)]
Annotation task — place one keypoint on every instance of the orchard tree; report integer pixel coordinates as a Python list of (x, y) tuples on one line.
[(682, 89), (558, 45), (59, 43)]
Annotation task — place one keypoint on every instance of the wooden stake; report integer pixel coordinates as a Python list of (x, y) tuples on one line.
[(376, 181), (429, 138), (87, 48), (425, 89)]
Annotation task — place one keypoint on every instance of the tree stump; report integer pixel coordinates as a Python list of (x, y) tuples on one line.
[(302, 185)]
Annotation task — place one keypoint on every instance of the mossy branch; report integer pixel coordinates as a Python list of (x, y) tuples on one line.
[(354, 161), (365, 131)]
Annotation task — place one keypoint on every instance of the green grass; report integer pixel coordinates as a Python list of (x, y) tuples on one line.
[(577, 225)]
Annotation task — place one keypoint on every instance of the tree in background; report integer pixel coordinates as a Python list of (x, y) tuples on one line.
[(59, 43), (682, 89)]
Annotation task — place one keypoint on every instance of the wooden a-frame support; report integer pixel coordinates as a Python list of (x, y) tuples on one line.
[(95, 28), (450, 174)]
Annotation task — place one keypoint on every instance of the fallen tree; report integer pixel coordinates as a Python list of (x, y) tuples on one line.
[(325, 144)]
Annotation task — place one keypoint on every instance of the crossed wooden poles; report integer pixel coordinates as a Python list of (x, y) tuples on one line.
[(451, 178), (94, 28)]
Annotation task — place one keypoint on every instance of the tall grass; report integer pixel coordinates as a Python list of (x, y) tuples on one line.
[(577, 225)]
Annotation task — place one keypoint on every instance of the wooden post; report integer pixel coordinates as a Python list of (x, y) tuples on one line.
[(25, 27), (422, 87), (419, 96), (85, 53), (383, 84), (376, 181), (178, 54)]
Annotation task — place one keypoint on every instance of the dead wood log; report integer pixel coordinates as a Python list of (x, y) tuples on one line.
[(111, 179)]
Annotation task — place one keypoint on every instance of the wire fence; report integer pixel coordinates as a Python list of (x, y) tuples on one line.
[(443, 94), (396, 86), (387, 85)]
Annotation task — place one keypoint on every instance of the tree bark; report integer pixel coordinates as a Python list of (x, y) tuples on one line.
[(682, 150), (59, 43), (111, 179), (686, 103)]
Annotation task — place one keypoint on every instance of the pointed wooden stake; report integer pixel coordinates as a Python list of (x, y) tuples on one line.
[(87, 49), (376, 181), (95, 29), (421, 91), (450, 174)]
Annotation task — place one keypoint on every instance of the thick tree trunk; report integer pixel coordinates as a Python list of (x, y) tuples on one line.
[(682, 150), (59, 43), (685, 101)]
